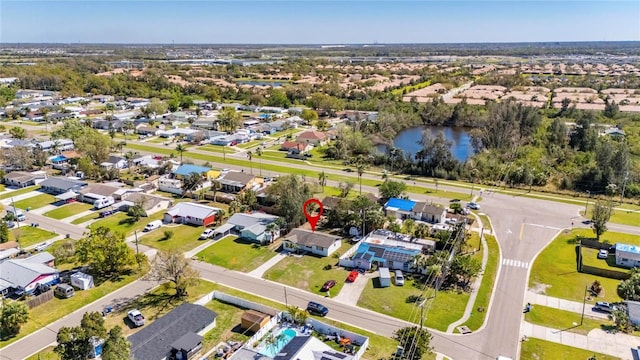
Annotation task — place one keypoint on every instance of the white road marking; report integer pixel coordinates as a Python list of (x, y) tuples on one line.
[(544, 226), (509, 231), (515, 263)]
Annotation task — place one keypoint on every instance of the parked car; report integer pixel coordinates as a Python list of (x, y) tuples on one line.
[(603, 254), (328, 285), (473, 206), (136, 317), (207, 234), (605, 306), (451, 221), (43, 246), (106, 213), (317, 309), (441, 227), (353, 275)]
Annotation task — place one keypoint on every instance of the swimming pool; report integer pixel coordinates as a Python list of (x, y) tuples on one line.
[(272, 350)]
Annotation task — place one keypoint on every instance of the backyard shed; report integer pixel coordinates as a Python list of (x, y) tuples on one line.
[(384, 277), (82, 281), (253, 320)]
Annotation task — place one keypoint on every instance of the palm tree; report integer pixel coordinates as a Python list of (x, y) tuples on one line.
[(129, 157), (215, 186), (361, 167), (259, 153), (323, 179), (474, 175), (250, 157), (181, 149), (272, 228)]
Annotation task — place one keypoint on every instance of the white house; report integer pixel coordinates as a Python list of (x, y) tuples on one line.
[(314, 242), (24, 275), (627, 255), (173, 186), (252, 227)]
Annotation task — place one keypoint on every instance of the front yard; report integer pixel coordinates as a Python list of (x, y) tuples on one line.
[(555, 273), (308, 273), (35, 202), (19, 192), (564, 320), (184, 238), (29, 235), (67, 210), (234, 253), (534, 349), (123, 223), (446, 307)]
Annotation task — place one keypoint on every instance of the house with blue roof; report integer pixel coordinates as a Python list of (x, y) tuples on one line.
[(187, 169), (392, 257), (409, 209), (627, 255), (400, 208)]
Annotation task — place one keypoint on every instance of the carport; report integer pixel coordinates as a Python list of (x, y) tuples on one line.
[(223, 230), (66, 196)]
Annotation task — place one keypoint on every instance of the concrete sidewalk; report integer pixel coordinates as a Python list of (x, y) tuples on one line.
[(77, 216), (260, 270), (350, 292), (9, 200), (43, 209), (614, 344), (562, 304)]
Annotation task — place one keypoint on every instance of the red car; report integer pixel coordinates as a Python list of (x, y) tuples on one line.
[(353, 275), (328, 285)]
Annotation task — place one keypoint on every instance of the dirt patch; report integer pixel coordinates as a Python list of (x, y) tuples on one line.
[(540, 288)]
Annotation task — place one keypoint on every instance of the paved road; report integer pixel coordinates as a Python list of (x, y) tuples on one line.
[(74, 231)]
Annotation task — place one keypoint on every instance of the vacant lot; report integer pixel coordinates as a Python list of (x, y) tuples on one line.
[(184, 238), (308, 273), (440, 310), (35, 202), (29, 235), (534, 349), (65, 211), (234, 253), (555, 270)]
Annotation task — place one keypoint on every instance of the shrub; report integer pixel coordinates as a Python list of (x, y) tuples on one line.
[(327, 267), (168, 234)]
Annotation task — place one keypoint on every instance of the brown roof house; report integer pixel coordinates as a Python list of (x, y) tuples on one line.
[(94, 192), (295, 147), (317, 243), (316, 138), (429, 212), (19, 179), (235, 181)]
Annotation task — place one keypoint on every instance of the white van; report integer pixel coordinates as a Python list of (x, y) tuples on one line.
[(104, 202), (152, 225), (17, 213), (399, 279)]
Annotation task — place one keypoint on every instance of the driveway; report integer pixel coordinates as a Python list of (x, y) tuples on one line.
[(350, 292)]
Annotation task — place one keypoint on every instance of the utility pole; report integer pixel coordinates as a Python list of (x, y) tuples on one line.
[(586, 206), (286, 303), (624, 185), (584, 303)]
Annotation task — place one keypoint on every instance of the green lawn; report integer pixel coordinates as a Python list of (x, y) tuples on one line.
[(1, 187), (556, 268), (29, 235), (185, 238), (156, 303), (35, 202), (564, 320), (307, 273), (236, 254), (216, 148), (619, 216), (445, 308), (123, 223), (85, 218), (57, 308), (486, 287), (65, 211), (45, 354), (535, 349)]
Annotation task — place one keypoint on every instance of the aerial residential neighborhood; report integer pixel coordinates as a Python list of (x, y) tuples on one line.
[(451, 193)]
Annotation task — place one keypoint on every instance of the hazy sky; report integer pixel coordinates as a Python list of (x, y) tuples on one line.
[(306, 22)]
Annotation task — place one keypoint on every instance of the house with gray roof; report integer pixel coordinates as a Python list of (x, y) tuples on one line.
[(59, 184), (19, 179), (315, 242), (429, 212), (191, 213), (251, 226), (235, 181), (176, 335), (24, 275)]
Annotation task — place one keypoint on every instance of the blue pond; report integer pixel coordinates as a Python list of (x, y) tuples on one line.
[(408, 139), (274, 349)]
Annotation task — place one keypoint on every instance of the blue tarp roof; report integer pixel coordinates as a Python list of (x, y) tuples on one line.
[(402, 204), (628, 248), (187, 169)]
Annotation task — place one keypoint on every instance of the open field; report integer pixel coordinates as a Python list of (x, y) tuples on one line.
[(555, 269), (236, 254), (535, 349), (68, 210), (29, 235), (308, 273)]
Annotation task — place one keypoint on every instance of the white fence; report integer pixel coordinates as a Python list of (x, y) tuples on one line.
[(345, 259)]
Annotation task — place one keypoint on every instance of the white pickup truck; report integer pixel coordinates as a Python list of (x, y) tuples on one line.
[(136, 317)]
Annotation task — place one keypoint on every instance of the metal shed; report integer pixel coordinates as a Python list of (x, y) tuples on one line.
[(385, 277)]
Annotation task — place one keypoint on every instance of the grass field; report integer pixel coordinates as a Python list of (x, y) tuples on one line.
[(486, 287), (307, 273), (440, 311), (629, 217), (185, 238), (236, 254), (555, 269), (35, 202), (57, 308), (85, 218), (536, 349), (123, 223), (68, 210), (564, 320), (29, 235)]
